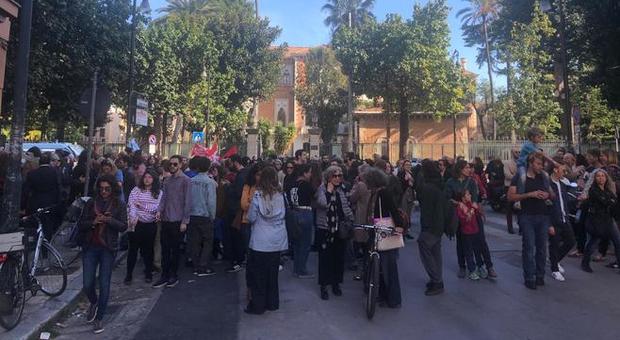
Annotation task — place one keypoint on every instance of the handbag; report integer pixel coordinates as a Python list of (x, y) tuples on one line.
[(385, 241), (293, 229)]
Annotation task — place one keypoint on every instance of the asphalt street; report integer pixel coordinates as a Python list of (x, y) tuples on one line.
[(586, 306)]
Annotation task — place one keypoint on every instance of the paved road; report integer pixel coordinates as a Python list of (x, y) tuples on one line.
[(586, 306)]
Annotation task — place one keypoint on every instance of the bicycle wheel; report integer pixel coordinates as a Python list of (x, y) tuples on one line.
[(63, 241), (50, 274), (12, 293), (372, 285)]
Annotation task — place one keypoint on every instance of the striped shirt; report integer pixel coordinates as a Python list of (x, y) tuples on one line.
[(148, 206)]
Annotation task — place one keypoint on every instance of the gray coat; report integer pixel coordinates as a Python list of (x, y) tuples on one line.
[(266, 216), (321, 206)]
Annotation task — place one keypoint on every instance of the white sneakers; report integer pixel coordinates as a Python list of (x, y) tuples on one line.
[(561, 269), (558, 276)]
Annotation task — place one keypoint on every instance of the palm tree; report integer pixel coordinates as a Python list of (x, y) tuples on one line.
[(339, 11), (478, 15), (180, 7)]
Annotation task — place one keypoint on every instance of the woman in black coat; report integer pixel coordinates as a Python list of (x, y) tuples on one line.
[(601, 204)]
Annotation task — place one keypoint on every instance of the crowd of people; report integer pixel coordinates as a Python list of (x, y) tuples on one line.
[(255, 214)]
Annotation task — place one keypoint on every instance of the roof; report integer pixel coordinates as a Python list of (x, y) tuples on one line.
[(294, 51)]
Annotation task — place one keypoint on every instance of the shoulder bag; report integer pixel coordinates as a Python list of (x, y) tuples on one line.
[(387, 242)]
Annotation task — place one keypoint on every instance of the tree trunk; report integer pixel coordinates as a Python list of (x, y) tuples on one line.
[(403, 128), (490, 71), (513, 132), (388, 129), (481, 119)]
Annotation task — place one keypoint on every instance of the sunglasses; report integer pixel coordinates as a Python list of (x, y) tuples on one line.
[(105, 189), (174, 164)]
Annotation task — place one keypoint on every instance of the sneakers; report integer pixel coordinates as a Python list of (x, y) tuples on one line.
[(127, 280), (205, 272), (483, 273), (172, 282), (280, 268), (492, 273), (160, 283), (336, 290), (561, 269), (613, 265), (558, 276), (474, 276), (235, 268), (92, 312), (517, 205), (98, 327), (434, 289), (462, 273), (324, 294)]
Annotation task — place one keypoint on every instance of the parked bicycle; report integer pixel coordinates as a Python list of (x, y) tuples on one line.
[(372, 265), (65, 238), (27, 268)]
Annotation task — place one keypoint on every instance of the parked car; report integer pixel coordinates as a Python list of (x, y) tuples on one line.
[(73, 149)]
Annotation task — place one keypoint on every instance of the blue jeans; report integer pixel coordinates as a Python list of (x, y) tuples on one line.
[(534, 253), (301, 246), (93, 257)]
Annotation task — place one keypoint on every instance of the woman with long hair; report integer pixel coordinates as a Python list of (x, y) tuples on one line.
[(247, 194), (268, 239), (142, 208), (332, 214), (601, 204), (381, 204), (103, 219)]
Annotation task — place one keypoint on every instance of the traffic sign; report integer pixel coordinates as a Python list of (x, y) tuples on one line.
[(152, 140), (198, 137)]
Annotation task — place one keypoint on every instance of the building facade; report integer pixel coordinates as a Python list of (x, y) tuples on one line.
[(9, 10)]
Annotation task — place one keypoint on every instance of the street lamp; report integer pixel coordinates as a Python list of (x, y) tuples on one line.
[(546, 6), (144, 7)]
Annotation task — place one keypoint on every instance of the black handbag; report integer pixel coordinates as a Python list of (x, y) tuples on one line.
[(293, 229)]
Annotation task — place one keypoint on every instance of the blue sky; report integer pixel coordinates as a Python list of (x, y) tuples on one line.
[(302, 22)]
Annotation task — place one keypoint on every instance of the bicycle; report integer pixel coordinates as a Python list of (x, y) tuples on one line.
[(372, 268), (65, 238), (46, 273)]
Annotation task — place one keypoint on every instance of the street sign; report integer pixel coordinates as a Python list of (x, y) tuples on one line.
[(142, 111), (198, 137), (102, 105), (152, 140)]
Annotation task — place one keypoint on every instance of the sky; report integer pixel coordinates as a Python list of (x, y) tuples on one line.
[(302, 22)]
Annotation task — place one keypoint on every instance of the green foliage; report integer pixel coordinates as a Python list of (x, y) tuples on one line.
[(70, 40), (339, 10), (194, 63), (323, 92), (599, 121), (406, 63), (532, 101), (282, 138), (264, 133)]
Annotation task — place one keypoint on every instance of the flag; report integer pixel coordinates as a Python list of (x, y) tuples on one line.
[(198, 150), (232, 151)]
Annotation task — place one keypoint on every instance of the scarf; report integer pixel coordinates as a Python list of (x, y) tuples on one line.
[(332, 217), (101, 207)]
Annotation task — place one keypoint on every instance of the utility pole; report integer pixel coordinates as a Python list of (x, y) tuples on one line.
[(131, 67), (91, 131), (350, 103), (9, 215)]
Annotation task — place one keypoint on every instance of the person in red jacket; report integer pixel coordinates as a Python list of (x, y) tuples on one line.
[(469, 213)]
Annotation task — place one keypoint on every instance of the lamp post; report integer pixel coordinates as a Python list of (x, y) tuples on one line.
[(546, 6), (144, 7)]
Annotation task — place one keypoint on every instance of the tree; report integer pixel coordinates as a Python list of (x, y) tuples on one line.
[(340, 10), (68, 43), (406, 63), (599, 121), (476, 17), (532, 101), (323, 91), (184, 7), (264, 133), (282, 138)]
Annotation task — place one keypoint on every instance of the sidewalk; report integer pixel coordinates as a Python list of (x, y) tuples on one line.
[(40, 309)]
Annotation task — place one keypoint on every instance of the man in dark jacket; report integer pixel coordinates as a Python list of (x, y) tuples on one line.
[(42, 190), (433, 214), (234, 238)]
